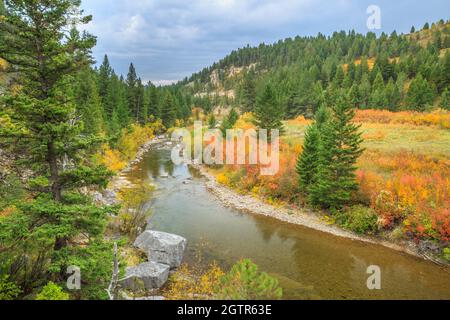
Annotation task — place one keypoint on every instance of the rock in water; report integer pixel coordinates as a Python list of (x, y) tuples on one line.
[(148, 276), (162, 247)]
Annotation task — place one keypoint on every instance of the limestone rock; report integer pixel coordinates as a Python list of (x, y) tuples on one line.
[(162, 247), (148, 276)]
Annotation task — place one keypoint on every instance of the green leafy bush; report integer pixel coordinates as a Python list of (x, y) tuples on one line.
[(52, 292), (359, 219), (446, 254), (8, 290)]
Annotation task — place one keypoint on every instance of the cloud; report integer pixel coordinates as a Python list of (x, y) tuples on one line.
[(170, 39)]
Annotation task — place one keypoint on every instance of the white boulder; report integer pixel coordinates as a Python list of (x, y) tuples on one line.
[(162, 247), (148, 276)]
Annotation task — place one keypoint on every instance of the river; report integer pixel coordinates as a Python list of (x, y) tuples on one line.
[(308, 264)]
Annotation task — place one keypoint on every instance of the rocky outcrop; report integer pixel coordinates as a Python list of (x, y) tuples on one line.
[(148, 276), (162, 247)]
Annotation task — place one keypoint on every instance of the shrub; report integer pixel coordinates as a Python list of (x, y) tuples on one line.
[(446, 254), (359, 219), (8, 290), (187, 284), (134, 213), (52, 292), (243, 282), (438, 118)]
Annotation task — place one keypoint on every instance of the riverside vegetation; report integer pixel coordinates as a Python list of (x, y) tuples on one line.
[(66, 128)]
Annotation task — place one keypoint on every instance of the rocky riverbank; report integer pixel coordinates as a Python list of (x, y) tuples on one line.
[(164, 251), (303, 217), (109, 196)]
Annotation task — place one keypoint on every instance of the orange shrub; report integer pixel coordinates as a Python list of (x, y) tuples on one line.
[(408, 188), (300, 120), (438, 118)]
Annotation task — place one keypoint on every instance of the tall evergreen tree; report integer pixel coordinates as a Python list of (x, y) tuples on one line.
[(88, 102), (116, 97), (420, 94), (308, 160), (153, 103), (168, 112), (445, 100), (268, 112), (132, 91), (392, 95), (339, 149), (248, 92), (51, 139), (104, 77), (141, 106)]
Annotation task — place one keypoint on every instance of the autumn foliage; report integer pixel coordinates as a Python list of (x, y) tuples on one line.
[(408, 190), (439, 118), (115, 159)]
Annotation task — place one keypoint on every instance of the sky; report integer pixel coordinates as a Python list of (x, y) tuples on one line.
[(168, 40)]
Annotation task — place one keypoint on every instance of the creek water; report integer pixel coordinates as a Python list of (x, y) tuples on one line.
[(308, 264)]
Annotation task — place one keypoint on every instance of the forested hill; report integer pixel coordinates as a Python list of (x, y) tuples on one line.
[(394, 72)]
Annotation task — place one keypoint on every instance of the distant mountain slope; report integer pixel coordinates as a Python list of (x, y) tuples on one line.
[(308, 71)]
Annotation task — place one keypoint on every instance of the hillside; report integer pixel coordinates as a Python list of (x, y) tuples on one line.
[(308, 71)]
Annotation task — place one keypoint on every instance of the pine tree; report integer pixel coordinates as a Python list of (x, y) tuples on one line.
[(212, 121), (104, 75), (339, 77), (52, 141), (132, 92), (355, 96), (268, 113), (339, 149), (248, 92), (233, 117), (168, 112), (154, 104), (413, 29), (88, 102), (378, 99), (364, 91), (445, 100), (141, 106), (444, 79), (392, 95), (229, 121), (420, 95), (116, 97), (308, 160)]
